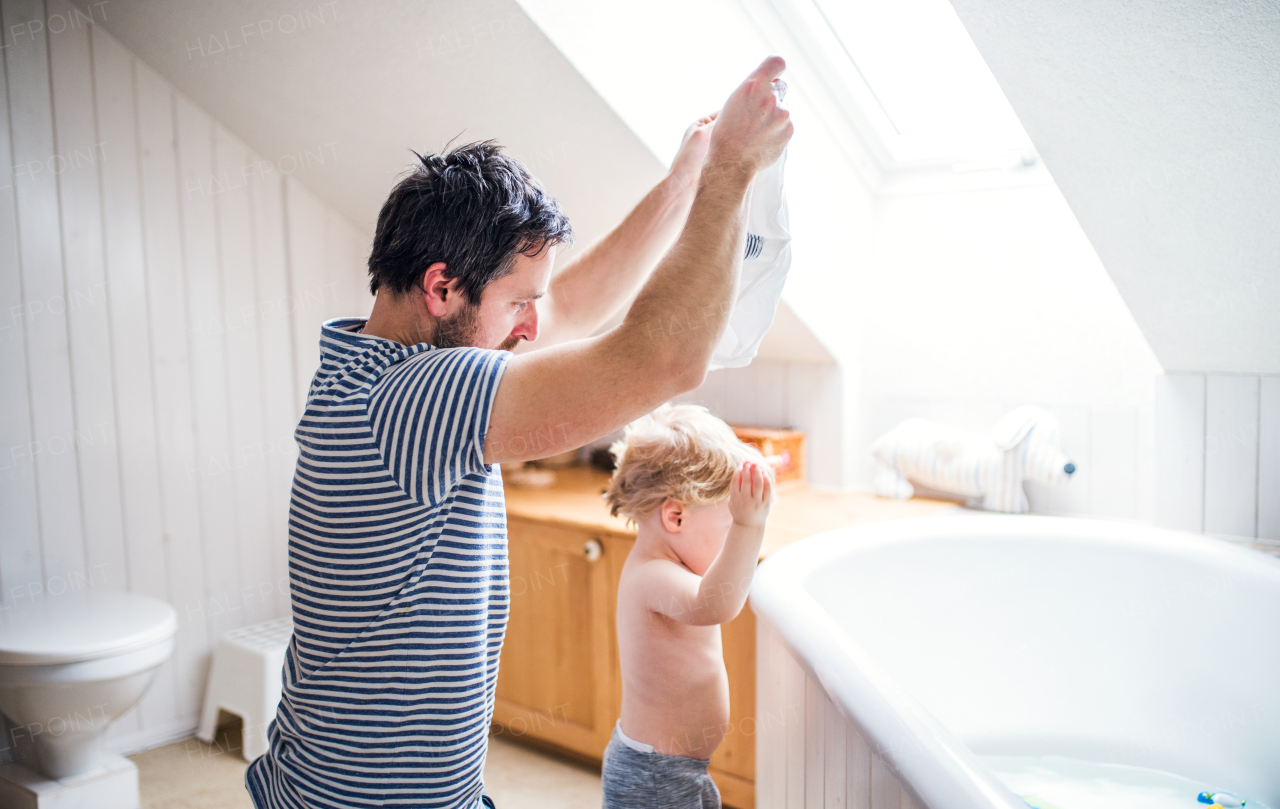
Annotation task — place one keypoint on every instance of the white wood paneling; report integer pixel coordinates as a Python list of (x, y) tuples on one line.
[(304, 224), (279, 398), (1179, 431), (741, 393), (199, 190), (857, 769), (815, 738), (36, 168), (170, 361), (807, 753), (1269, 458), (792, 709), (835, 782), (815, 405), (771, 737), (1113, 461), (81, 152), (1145, 465), (771, 393), (20, 559), (130, 338), (151, 444), (239, 322), (1231, 456), (884, 787)]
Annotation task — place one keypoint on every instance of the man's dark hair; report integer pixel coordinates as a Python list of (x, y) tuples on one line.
[(475, 209)]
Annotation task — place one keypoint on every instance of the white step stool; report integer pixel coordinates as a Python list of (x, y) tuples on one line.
[(245, 681)]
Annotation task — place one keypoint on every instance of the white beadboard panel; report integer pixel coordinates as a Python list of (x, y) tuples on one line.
[(149, 300), (771, 393), (239, 322), (36, 163), (80, 200), (907, 801), (814, 406), (351, 278), (279, 401), (345, 294), (1180, 459), (170, 362), (792, 709), (1113, 454), (126, 289), (213, 467), (20, 560), (1145, 465), (304, 223), (884, 787), (857, 769), (710, 394), (1231, 455), (815, 737), (1269, 458), (807, 753), (740, 395), (835, 783), (771, 750)]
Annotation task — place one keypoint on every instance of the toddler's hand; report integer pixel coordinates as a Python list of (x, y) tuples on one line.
[(750, 495)]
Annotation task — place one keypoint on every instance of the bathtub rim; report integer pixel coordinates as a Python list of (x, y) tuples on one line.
[(938, 769)]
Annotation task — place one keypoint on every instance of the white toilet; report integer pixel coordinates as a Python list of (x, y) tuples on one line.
[(71, 664)]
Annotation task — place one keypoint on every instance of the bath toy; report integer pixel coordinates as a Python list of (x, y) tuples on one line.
[(988, 469), (1222, 800)]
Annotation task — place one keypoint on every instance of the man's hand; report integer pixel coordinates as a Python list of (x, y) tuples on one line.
[(750, 496), (751, 130), (686, 169)]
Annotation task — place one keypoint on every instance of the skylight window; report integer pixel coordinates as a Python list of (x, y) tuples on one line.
[(900, 77), (915, 74)]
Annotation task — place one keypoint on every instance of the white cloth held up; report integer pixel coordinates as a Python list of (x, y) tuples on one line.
[(766, 261)]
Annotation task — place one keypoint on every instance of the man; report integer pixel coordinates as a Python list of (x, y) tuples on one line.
[(397, 533)]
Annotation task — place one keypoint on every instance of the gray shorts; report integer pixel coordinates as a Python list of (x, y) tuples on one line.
[(639, 779)]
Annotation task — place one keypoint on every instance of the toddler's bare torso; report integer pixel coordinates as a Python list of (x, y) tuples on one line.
[(675, 691)]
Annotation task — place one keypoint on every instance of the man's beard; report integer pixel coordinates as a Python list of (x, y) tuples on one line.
[(460, 330)]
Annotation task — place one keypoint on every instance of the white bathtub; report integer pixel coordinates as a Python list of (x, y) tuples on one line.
[(892, 656)]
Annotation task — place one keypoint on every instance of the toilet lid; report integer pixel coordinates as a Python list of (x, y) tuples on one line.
[(81, 625)]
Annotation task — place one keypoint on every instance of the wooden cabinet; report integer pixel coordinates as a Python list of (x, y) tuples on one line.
[(557, 682)]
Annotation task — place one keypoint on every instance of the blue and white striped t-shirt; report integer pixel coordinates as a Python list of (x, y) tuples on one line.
[(398, 571)]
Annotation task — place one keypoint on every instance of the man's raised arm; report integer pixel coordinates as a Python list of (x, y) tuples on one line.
[(567, 395), (599, 280)]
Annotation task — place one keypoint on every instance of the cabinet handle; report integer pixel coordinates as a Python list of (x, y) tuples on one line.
[(592, 549)]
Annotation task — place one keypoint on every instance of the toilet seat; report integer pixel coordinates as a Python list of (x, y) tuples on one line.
[(80, 626)]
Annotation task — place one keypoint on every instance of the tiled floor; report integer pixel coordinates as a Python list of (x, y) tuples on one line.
[(193, 775)]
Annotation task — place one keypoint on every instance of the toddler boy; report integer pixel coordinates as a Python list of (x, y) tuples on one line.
[(699, 498)]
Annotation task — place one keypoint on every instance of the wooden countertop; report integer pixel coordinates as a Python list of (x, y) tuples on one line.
[(574, 501)]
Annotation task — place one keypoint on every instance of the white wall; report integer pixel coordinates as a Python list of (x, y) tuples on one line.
[(1158, 121), (1218, 453), (985, 300), (160, 295)]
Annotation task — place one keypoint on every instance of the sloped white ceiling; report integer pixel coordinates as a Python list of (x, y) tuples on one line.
[(338, 91), (1160, 122)]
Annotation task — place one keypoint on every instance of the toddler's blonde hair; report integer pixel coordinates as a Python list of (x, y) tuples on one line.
[(680, 452)]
